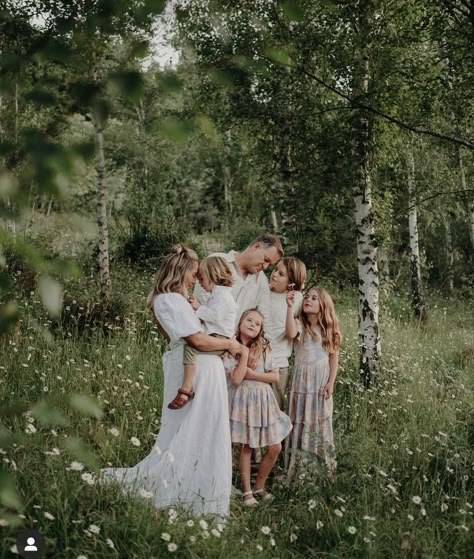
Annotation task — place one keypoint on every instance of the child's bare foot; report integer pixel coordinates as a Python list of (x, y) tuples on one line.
[(181, 399)]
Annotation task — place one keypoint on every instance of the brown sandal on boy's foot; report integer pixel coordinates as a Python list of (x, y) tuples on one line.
[(179, 400)]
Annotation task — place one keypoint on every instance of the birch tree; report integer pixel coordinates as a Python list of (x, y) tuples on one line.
[(369, 337), (419, 305)]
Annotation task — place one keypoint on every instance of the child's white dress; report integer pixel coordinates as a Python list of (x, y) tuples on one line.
[(255, 417), (309, 411)]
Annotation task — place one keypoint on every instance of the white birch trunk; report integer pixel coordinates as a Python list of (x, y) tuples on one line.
[(104, 266), (418, 298), (449, 255), (369, 338), (470, 202)]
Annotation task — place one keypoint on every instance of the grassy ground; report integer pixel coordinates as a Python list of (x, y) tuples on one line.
[(404, 486)]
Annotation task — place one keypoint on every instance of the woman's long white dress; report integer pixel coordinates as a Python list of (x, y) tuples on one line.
[(191, 462)]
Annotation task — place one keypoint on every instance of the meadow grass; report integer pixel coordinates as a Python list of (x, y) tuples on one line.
[(404, 484)]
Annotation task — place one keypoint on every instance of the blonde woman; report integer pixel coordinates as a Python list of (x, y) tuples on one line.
[(190, 464), (218, 317)]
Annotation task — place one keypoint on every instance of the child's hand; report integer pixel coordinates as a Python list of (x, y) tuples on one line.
[(290, 298), (328, 391), (195, 304), (252, 361)]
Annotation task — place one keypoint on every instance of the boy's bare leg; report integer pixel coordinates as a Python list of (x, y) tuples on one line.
[(186, 390)]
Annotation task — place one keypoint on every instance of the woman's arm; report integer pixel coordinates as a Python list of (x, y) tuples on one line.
[(291, 327), (203, 342), (328, 390), (237, 375), (271, 376)]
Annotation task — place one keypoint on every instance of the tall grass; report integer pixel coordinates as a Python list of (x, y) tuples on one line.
[(404, 485)]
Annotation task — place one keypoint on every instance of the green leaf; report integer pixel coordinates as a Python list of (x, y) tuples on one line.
[(9, 496), (128, 82), (12, 520), (8, 315), (86, 405), (292, 11), (79, 450), (41, 97), (51, 294), (48, 415), (175, 130), (278, 55), (170, 82), (8, 184), (207, 127)]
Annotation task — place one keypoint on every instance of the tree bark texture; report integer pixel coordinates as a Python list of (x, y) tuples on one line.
[(104, 265), (369, 338), (418, 298), (470, 201)]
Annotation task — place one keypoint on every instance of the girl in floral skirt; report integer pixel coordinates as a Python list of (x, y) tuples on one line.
[(317, 341), (256, 420)]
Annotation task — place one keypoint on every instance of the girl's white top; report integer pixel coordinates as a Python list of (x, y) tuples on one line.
[(219, 313), (275, 329)]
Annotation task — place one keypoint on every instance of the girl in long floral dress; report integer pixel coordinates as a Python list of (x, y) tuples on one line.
[(317, 341)]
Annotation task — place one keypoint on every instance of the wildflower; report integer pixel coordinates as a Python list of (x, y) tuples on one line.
[(444, 507), (411, 517), (172, 547), (259, 547), (76, 466), (88, 478), (215, 532), (311, 504), (464, 527), (338, 513), (272, 542), (93, 529), (81, 557), (114, 431), (166, 537), (416, 499), (30, 429), (110, 543), (135, 441), (423, 511), (192, 539), (203, 524), (3, 523), (366, 517), (319, 525), (220, 526), (49, 516), (293, 537), (190, 523), (352, 530), (14, 549), (205, 534), (265, 530)]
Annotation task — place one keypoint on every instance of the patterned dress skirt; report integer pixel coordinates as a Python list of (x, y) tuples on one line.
[(309, 411), (255, 417)]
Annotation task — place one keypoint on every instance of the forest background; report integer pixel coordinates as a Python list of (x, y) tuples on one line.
[(346, 128)]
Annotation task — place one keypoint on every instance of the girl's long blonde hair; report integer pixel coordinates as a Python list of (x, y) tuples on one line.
[(259, 345), (171, 274), (327, 321)]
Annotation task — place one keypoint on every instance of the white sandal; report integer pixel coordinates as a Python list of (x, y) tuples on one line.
[(249, 502), (263, 495)]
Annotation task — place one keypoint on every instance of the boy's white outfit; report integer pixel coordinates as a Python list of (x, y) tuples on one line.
[(250, 292), (219, 312)]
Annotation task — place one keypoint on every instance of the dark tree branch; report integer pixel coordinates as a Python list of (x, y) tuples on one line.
[(356, 104), (435, 195)]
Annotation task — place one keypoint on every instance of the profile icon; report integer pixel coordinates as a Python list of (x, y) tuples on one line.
[(30, 544)]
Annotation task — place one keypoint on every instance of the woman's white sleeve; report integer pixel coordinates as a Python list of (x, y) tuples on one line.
[(176, 315)]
